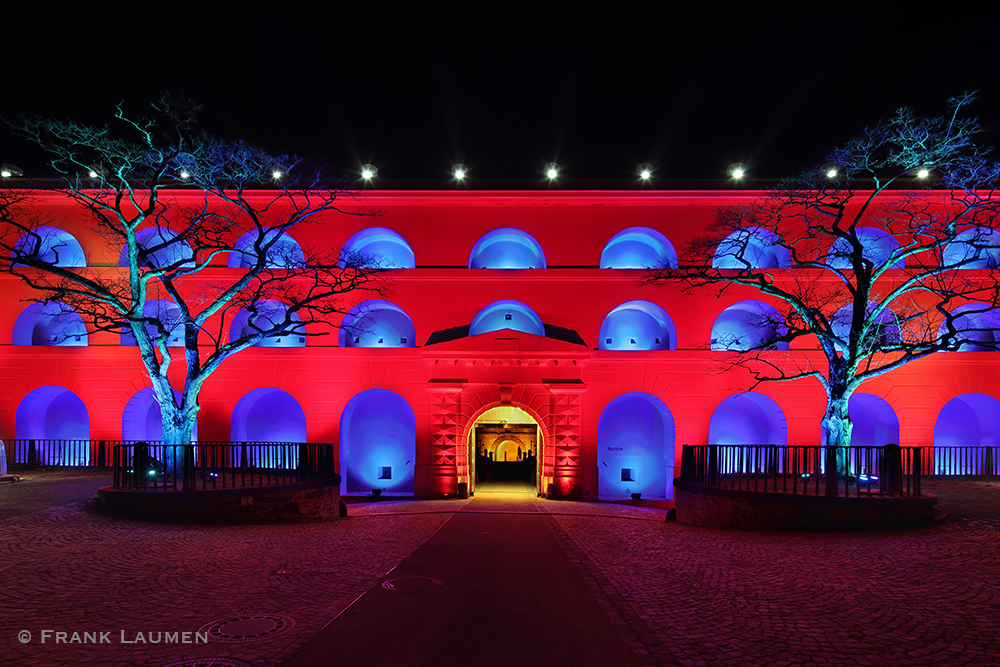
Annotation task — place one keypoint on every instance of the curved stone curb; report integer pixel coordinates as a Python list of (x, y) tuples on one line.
[(758, 510), (308, 501)]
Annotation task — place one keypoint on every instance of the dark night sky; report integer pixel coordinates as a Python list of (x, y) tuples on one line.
[(597, 89)]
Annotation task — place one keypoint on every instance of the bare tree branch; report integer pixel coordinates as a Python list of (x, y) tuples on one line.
[(134, 182), (868, 265)]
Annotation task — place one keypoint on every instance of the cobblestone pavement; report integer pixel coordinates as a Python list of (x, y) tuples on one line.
[(696, 596), (42, 490), (680, 595), (68, 569)]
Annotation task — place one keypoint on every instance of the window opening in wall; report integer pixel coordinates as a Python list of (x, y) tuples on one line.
[(636, 325), (378, 247), (265, 315), (386, 472), (507, 248), (506, 314), (375, 323), (748, 325), (638, 248), (627, 475), (284, 252)]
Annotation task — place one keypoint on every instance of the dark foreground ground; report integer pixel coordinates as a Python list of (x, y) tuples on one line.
[(503, 578)]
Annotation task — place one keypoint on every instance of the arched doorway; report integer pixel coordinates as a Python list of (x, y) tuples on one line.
[(378, 435), (875, 422), (142, 418), (57, 418), (504, 447), (635, 448), (966, 434), (748, 419), (269, 415)]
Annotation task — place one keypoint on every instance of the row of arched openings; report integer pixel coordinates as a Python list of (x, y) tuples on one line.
[(59, 247), (633, 325), (375, 247), (512, 248), (636, 438), (56, 324)]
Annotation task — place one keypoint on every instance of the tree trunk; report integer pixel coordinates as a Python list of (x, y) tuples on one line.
[(837, 428), (178, 423)]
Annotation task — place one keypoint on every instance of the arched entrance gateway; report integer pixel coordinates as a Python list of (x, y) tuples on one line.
[(504, 444)]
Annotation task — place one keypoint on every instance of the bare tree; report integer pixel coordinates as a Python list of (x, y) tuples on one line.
[(176, 201), (870, 258)]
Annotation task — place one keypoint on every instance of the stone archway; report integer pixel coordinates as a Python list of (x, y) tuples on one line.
[(504, 445)]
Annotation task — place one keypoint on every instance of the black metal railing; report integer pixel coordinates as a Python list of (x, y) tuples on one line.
[(741, 466), (153, 466), (53, 452), (888, 470), (956, 460)]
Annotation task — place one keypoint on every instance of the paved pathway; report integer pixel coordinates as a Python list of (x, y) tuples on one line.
[(492, 587), (42, 490), (675, 595)]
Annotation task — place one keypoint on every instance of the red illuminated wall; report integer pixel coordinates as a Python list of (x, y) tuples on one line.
[(565, 386)]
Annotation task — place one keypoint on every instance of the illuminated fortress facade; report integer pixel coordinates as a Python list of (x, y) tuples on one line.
[(516, 332)]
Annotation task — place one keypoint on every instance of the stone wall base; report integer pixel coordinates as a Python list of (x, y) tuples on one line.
[(754, 510), (310, 501)]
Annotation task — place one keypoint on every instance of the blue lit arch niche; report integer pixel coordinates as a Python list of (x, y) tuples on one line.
[(507, 314), (638, 248), (53, 246), (284, 254), (55, 413), (269, 314), (756, 246), (378, 443), (877, 247), (50, 323), (748, 325), (142, 419), (748, 419), (875, 422), (268, 415), (971, 419), (635, 448), (378, 247), (377, 323), (976, 248), (638, 325), (168, 314), (176, 253), (507, 248), (978, 327)]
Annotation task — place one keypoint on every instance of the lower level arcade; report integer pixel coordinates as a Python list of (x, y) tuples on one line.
[(436, 421)]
